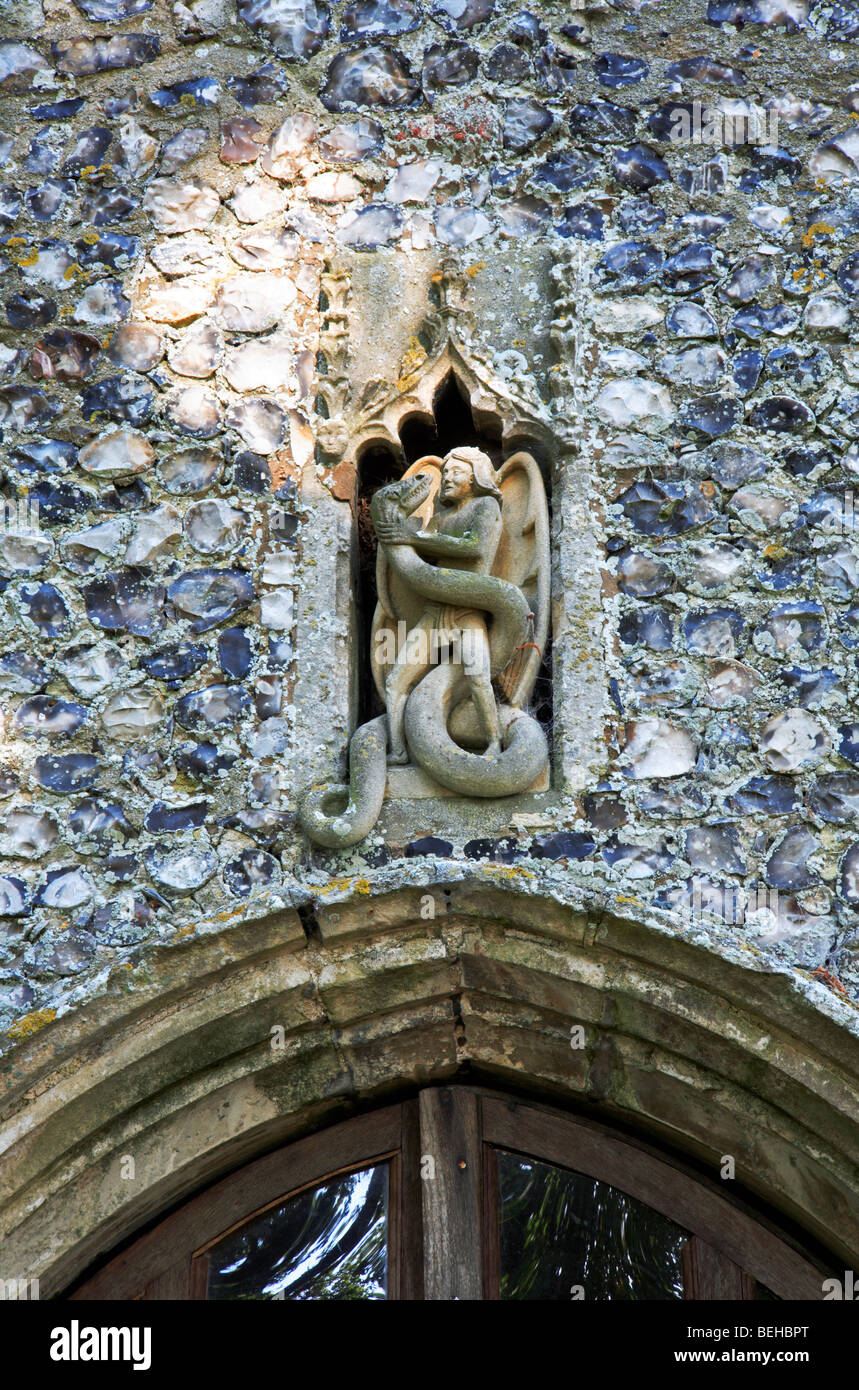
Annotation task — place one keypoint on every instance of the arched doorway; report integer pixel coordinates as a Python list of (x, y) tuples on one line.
[(462, 1193), (256, 1034)]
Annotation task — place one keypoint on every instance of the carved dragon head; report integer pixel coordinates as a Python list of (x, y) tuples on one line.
[(402, 497)]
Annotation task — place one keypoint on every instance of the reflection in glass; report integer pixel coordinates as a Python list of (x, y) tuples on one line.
[(562, 1231), (328, 1243)]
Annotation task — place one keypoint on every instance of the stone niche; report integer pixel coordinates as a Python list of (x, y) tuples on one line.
[(418, 356)]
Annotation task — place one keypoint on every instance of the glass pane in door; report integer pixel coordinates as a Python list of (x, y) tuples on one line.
[(326, 1243), (566, 1236)]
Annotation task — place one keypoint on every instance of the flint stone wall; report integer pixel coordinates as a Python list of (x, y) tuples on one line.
[(176, 183)]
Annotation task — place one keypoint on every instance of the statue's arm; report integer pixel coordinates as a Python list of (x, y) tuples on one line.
[(468, 546), (477, 543)]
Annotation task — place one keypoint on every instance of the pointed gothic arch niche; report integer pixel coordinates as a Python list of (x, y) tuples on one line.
[(451, 422)]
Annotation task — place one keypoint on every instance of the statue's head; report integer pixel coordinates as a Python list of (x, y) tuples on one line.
[(468, 472)]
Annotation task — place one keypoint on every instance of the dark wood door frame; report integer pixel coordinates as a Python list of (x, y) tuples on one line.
[(443, 1203), (718, 1223), (171, 1261)]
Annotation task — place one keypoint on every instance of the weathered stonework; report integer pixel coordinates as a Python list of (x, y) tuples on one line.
[(172, 1061), (244, 246)]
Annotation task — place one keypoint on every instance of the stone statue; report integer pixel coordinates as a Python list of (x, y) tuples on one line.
[(463, 580), (464, 533)]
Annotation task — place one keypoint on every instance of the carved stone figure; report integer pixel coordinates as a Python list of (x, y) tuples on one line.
[(463, 584), (464, 533)]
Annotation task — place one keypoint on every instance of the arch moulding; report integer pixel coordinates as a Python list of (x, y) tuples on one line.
[(217, 1048)]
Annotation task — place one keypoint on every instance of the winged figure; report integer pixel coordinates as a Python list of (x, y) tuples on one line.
[(457, 638)]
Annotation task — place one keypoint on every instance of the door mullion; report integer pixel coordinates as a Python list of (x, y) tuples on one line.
[(452, 1189)]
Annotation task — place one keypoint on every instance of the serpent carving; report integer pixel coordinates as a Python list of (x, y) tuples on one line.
[(440, 712)]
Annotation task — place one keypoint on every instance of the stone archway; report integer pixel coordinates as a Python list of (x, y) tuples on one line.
[(253, 1032)]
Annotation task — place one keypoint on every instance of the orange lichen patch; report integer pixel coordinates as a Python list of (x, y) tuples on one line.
[(507, 871), (816, 229), (360, 886), (282, 467), (472, 270), (31, 1023), (832, 981), (414, 357)]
